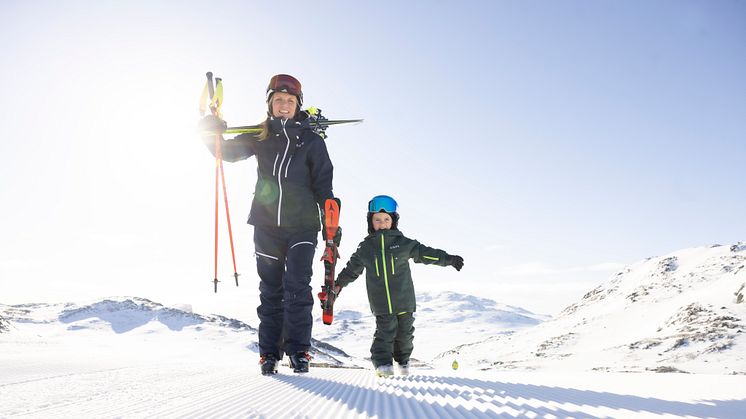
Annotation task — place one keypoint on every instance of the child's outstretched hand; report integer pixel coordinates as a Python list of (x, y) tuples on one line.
[(456, 261)]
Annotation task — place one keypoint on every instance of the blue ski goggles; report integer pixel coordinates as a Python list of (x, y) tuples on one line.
[(382, 203)]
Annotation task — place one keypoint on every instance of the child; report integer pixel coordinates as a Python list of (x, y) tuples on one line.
[(385, 254)]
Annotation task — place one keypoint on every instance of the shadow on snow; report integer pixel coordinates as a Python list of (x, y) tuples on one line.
[(407, 397)]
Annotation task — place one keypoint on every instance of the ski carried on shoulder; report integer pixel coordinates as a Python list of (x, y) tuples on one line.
[(318, 122), (331, 254)]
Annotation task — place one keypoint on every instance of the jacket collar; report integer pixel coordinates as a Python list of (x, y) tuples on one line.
[(276, 124), (386, 233)]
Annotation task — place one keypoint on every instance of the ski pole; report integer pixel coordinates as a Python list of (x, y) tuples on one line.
[(216, 101)]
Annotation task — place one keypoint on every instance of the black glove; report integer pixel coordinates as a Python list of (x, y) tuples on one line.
[(455, 261), (338, 237), (212, 124)]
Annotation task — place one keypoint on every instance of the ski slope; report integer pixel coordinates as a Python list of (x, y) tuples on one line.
[(233, 388)]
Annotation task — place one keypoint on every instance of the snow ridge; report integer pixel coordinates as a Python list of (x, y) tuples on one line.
[(679, 312), (141, 317), (466, 318)]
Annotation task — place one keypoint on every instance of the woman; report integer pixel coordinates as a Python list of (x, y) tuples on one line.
[(294, 177)]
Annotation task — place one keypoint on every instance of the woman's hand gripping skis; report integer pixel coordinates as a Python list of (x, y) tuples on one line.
[(327, 294)]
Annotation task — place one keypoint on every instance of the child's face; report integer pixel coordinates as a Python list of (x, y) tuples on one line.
[(381, 221)]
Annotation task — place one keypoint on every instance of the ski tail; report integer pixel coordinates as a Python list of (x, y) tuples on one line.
[(331, 218), (330, 256)]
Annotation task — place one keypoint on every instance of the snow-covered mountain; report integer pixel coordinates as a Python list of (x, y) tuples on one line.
[(140, 320), (442, 319), (679, 312), (131, 357), (4, 325)]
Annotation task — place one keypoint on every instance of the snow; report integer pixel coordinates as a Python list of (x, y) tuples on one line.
[(465, 318), (218, 385), (621, 351), (231, 387), (678, 312)]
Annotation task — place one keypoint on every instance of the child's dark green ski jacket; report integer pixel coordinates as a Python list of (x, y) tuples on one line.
[(384, 255)]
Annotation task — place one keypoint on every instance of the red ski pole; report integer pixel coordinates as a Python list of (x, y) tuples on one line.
[(216, 100), (227, 214)]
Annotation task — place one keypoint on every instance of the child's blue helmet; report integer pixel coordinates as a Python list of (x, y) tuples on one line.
[(383, 203)]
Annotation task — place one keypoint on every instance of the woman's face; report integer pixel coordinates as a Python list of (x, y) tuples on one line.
[(283, 105), (381, 221)]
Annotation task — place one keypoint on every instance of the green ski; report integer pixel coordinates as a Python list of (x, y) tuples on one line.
[(318, 122)]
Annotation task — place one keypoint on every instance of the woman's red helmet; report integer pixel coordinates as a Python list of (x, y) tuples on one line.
[(287, 84)]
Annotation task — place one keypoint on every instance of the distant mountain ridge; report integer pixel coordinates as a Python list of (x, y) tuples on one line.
[(127, 315), (679, 312), (442, 318)]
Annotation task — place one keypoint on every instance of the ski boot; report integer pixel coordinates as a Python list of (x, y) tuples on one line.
[(386, 370), (269, 364), (404, 368), (299, 361)]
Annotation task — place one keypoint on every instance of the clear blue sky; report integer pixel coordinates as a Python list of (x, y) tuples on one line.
[(549, 143)]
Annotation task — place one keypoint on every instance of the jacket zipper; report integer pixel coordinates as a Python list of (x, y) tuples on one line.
[(274, 165), (385, 275), (279, 178), (288, 166)]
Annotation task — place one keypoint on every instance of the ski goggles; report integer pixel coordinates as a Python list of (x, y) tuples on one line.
[(285, 83), (382, 203)]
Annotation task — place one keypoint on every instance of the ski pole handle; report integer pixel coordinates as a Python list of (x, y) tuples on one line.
[(210, 84)]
